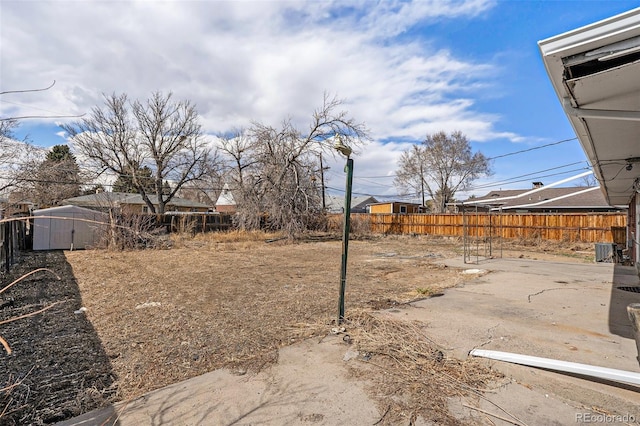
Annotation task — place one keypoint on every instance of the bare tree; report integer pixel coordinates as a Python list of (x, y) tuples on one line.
[(206, 189), (440, 166), (14, 154), (7, 125), (588, 180), (19, 156), (275, 168), (411, 176), (238, 147), (8, 153), (19, 161), (161, 134), (46, 177)]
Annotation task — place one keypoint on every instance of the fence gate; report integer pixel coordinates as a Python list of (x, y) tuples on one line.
[(479, 245)]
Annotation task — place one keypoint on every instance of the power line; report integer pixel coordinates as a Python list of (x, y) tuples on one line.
[(515, 178), (4, 101), (29, 90), (532, 149), (541, 176), (410, 195), (393, 175)]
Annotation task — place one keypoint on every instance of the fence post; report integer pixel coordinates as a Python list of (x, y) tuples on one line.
[(5, 246)]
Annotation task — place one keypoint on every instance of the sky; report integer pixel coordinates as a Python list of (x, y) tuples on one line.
[(404, 68)]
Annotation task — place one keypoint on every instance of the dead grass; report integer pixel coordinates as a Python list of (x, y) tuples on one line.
[(233, 299), (222, 240), (167, 315)]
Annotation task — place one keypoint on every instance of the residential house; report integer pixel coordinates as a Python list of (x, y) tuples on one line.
[(226, 203), (15, 205), (133, 203), (399, 207), (359, 204), (540, 199)]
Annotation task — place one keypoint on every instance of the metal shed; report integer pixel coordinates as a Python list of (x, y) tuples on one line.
[(66, 228)]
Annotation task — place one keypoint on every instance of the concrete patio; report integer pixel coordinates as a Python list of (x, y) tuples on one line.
[(565, 311)]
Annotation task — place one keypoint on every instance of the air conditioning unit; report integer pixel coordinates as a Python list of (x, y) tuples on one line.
[(606, 252)]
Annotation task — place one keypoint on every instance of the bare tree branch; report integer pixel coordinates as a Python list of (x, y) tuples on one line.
[(441, 166), (161, 134), (275, 168)]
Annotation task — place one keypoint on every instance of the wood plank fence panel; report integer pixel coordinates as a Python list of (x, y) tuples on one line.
[(14, 237), (193, 222), (584, 227)]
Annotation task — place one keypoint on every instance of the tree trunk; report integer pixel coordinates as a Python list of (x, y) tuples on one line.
[(112, 230)]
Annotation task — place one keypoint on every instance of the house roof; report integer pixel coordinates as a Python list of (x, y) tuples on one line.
[(226, 197), (106, 199), (335, 203), (576, 197), (396, 202), (594, 71)]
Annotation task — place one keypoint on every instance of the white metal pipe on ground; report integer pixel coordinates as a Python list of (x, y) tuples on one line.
[(564, 366)]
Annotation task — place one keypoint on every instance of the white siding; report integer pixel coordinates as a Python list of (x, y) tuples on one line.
[(66, 228)]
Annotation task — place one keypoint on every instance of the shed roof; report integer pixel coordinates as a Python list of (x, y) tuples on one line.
[(52, 211)]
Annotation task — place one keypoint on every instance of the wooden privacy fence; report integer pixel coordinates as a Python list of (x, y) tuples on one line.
[(194, 222), (585, 227), (14, 237)]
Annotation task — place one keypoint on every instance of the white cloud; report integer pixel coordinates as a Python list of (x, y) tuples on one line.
[(261, 60)]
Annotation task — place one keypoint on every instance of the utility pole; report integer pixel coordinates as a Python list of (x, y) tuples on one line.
[(422, 184), (345, 238), (324, 201)]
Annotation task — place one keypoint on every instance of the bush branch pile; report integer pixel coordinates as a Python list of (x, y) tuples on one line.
[(413, 376)]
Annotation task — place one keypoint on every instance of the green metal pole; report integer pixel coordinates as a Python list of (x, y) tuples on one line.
[(345, 238)]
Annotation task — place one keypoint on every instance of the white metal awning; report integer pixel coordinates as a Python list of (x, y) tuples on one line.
[(595, 71)]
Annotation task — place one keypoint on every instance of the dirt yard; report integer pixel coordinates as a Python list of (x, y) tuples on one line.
[(130, 322)]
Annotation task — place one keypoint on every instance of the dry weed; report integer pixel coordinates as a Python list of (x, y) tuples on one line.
[(235, 236), (412, 376)]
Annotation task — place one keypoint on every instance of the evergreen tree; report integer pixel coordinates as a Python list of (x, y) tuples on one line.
[(60, 153), (125, 181), (56, 178)]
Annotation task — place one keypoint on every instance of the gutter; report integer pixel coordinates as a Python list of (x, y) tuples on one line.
[(603, 373)]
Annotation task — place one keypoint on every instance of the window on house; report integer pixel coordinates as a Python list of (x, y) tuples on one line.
[(145, 209), (403, 209)]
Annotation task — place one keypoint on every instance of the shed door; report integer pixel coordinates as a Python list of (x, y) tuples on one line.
[(61, 231)]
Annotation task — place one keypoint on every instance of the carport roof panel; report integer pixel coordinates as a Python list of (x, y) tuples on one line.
[(590, 37), (608, 89), (603, 85)]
